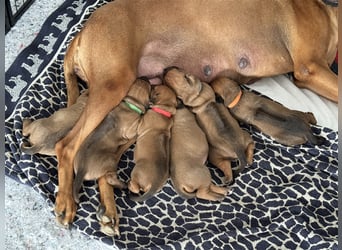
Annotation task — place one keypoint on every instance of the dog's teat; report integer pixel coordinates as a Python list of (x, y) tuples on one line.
[(243, 63), (207, 70)]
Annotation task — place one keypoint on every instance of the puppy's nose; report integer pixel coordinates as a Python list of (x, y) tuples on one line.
[(168, 69)]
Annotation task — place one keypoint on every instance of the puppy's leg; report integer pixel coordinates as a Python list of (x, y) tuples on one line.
[(113, 180), (212, 192), (222, 163), (107, 214), (250, 152), (103, 97), (318, 78)]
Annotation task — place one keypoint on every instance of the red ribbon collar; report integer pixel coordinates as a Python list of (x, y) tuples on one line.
[(162, 112)]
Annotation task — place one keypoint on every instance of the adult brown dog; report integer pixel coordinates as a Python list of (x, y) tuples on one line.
[(152, 149), (101, 151), (43, 134), (289, 127), (125, 39), (227, 141), (189, 152)]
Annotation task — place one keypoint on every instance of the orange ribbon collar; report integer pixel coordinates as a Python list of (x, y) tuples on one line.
[(236, 100)]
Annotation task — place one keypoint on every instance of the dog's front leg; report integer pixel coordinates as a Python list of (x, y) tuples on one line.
[(101, 101), (65, 207)]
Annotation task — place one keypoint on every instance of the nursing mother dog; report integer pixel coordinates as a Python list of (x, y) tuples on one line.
[(243, 40)]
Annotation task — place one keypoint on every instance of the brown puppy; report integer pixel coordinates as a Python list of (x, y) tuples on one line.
[(152, 149), (289, 127), (43, 134), (101, 151), (125, 39), (226, 139), (189, 152)]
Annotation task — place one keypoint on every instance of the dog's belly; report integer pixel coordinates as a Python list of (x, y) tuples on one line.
[(209, 59)]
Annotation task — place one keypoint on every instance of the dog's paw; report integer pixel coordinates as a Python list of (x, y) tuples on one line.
[(109, 221), (65, 209)]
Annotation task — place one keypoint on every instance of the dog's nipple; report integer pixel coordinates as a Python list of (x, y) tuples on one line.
[(243, 63), (207, 70)]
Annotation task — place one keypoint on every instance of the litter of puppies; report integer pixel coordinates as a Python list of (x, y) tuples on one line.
[(178, 127)]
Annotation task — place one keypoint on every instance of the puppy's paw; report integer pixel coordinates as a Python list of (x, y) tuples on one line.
[(112, 179), (65, 209), (213, 193), (109, 221)]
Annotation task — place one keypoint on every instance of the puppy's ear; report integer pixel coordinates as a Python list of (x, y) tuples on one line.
[(218, 98), (180, 104)]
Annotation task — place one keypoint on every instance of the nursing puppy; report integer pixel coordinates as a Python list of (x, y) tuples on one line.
[(152, 149), (42, 134), (289, 127), (101, 151), (226, 139), (189, 152)]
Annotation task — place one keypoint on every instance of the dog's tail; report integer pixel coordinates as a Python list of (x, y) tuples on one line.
[(69, 72)]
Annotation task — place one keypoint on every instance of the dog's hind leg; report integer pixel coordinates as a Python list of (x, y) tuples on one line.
[(103, 97), (318, 78), (107, 213), (70, 72)]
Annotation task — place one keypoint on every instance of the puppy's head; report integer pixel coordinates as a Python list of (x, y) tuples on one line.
[(226, 89), (188, 88), (139, 93), (164, 97)]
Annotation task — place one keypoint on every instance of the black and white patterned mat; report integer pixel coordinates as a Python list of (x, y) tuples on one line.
[(286, 200)]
